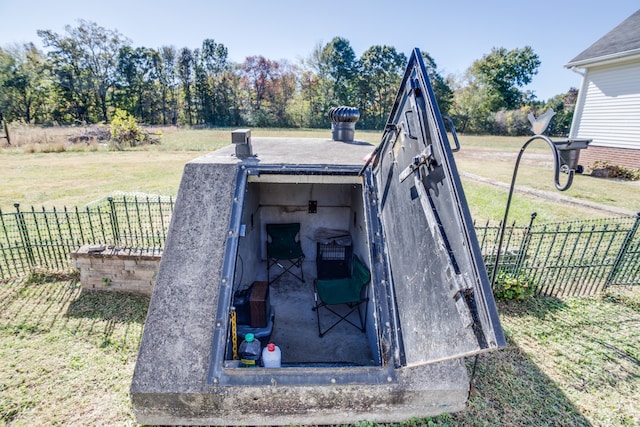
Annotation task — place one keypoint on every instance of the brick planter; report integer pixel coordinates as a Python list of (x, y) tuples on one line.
[(117, 269)]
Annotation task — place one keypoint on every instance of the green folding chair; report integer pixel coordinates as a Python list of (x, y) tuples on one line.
[(347, 291), (283, 246)]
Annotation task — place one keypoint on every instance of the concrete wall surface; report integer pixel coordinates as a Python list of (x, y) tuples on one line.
[(419, 392), (172, 381)]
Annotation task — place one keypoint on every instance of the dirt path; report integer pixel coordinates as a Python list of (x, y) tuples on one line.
[(555, 197)]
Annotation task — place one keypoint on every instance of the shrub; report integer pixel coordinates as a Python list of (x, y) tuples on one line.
[(511, 122), (605, 169), (125, 132), (510, 287)]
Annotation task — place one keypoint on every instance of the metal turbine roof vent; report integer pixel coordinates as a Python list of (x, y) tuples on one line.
[(343, 123)]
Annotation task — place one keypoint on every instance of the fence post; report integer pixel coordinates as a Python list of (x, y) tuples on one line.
[(524, 245), (114, 220), (24, 235), (622, 252)]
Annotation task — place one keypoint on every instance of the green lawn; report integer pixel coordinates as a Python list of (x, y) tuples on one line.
[(82, 174), (536, 172), (67, 357), (77, 178), (570, 362)]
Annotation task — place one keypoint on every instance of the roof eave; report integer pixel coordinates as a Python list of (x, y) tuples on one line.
[(605, 59)]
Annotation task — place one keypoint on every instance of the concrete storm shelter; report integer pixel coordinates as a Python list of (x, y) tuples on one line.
[(401, 210)]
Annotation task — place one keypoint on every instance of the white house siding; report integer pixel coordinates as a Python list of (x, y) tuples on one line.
[(609, 112)]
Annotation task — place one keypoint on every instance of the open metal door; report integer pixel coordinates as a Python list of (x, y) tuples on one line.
[(445, 307)]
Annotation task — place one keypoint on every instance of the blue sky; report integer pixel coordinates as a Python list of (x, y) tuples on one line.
[(454, 33)]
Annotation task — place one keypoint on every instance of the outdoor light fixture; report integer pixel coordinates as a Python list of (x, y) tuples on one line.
[(566, 153), (569, 153)]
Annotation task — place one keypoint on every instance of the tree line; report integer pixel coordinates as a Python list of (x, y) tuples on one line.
[(89, 72)]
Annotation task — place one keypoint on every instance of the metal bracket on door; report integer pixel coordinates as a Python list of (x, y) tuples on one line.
[(423, 158)]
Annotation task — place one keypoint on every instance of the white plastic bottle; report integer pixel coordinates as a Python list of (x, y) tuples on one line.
[(271, 356)]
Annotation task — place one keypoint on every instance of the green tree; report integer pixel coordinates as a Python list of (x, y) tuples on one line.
[(167, 79), (564, 105), (316, 90), (378, 84), (503, 73), (211, 68), (84, 63), (305, 109), (185, 74), (202, 94), (282, 93), (231, 94), (470, 110), (138, 83), (441, 89), (24, 82), (341, 65), (256, 73)]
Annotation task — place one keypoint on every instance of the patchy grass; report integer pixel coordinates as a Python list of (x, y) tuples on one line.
[(505, 144), (67, 356), (573, 363), (70, 179), (596, 347)]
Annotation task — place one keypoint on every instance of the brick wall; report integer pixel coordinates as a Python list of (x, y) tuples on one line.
[(117, 269), (625, 157)]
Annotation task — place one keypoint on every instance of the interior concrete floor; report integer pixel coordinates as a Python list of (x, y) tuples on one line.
[(295, 328)]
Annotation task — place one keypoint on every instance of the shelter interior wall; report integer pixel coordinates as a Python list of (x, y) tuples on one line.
[(339, 206)]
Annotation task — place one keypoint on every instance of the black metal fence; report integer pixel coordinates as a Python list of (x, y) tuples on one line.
[(42, 239), (566, 258)]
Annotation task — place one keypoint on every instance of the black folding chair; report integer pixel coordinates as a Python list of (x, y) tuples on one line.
[(283, 246)]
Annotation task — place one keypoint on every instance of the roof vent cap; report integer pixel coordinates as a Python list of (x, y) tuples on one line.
[(241, 138), (343, 123)]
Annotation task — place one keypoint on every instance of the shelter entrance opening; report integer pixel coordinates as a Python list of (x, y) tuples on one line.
[(302, 271)]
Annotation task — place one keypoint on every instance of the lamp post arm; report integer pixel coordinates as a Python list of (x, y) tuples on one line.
[(556, 178)]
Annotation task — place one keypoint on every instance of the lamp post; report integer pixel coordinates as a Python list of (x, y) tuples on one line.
[(565, 153)]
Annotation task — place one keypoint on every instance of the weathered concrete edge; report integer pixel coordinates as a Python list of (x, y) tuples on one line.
[(176, 344), (117, 253), (421, 391)]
